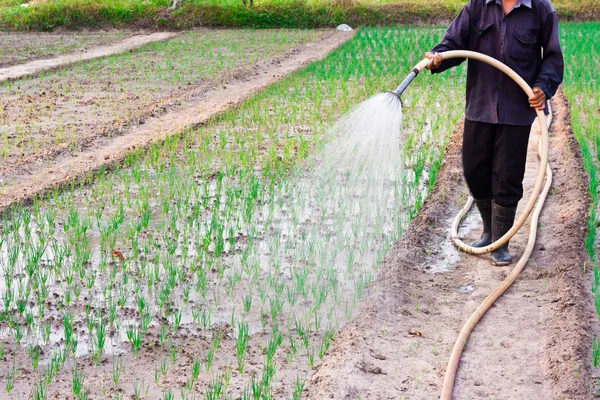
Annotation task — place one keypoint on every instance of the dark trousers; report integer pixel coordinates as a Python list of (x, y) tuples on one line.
[(494, 159)]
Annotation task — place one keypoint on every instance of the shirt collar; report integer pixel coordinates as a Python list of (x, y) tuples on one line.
[(526, 3)]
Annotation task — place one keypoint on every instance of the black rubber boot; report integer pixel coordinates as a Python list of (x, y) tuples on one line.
[(485, 209), (502, 221)]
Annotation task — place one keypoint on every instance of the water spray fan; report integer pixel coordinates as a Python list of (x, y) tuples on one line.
[(538, 195)]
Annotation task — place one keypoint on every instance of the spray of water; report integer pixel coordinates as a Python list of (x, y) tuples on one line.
[(343, 208), (317, 239), (355, 177)]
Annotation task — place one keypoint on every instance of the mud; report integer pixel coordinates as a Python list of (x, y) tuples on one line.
[(42, 65), (534, 343), (40, 174)]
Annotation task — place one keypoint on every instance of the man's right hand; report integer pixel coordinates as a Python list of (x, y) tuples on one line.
[(435, 60)]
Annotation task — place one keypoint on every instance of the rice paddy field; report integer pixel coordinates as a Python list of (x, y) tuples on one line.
[(197, 261), (218, 264), (582, 88), (62, 109)]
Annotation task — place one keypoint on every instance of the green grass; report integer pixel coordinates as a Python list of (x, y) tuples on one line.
[(451, 4), (76, 14), (9, 3), (46, 16)]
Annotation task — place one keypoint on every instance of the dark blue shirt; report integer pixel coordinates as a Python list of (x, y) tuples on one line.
[(517, 40)]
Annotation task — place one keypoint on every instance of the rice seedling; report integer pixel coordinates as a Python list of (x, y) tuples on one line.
[(140, 389), (189, 231), (78, 378), (39, 390), (9, 380), (34, 354), (117, 369), (241, 344), (91, 98), (168, 394), (581, 89), (195, 373), (298, 387)]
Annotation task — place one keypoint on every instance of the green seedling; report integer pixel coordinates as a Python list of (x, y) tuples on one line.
[(77, 379), (241, 344), (117, 369)]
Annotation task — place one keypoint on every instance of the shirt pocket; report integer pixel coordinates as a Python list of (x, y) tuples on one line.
[(481, 38), (524, 45)]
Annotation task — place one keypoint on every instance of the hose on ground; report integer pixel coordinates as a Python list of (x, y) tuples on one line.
[(538, 195)]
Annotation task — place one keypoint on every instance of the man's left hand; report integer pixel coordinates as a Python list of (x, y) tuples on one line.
[(538, 100)]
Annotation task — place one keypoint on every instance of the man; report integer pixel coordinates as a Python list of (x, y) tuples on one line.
[(498, 114)]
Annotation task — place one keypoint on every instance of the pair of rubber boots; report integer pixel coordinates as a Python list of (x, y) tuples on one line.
[(497, 220)]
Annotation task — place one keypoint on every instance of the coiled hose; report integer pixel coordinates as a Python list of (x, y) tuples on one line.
[(538, 195)]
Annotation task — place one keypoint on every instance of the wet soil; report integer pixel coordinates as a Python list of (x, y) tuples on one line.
[(534, 343), (45, 171)]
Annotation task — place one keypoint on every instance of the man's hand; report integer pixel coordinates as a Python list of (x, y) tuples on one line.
[(435, 60), (538, 100)]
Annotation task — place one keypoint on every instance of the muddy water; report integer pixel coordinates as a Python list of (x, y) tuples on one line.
[(448, 255)]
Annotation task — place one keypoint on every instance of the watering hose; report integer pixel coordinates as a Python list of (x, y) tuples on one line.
[(540, 190)]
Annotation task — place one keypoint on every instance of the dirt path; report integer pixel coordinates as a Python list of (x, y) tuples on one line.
[(39, 175), (37, 66), (533, 344)]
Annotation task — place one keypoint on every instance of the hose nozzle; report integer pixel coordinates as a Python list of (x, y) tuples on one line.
[(418, 68)]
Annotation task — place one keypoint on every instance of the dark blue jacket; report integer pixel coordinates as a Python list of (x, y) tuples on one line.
[(517, 40)]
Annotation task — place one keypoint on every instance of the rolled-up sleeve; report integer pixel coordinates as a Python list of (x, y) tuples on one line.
[(455, 38), (553, 65)]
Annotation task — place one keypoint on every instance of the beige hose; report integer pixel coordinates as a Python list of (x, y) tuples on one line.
[(539, 190)]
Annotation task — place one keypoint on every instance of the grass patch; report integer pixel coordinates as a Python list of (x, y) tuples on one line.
[(76, 14), (302, 15)]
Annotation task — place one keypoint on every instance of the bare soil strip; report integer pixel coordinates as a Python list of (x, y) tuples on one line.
[(20, 48), (37, 66), (39, 175), (533, 344)]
